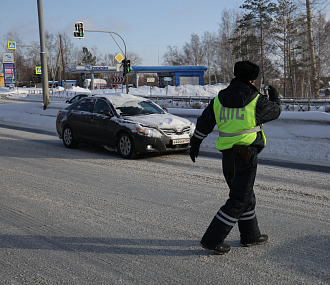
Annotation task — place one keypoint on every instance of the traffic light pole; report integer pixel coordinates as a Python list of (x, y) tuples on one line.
[(118, 47)]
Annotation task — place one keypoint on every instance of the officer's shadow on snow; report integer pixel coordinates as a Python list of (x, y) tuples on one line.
[(120, 246)]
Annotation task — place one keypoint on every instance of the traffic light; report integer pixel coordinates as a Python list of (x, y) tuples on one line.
[(79, 32), (123, 64), (126, 64)]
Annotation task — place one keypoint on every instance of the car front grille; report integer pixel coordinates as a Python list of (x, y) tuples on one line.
[(170, 132)]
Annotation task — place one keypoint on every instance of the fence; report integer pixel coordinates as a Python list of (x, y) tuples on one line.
[(293, 104), (58, 94), (290, 104), (199, 102)]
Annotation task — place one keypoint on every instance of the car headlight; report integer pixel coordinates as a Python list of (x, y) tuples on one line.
[(149, 132), (192, 129)]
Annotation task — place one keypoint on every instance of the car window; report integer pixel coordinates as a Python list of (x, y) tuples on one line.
[(84, 105), (132, 108), (101, 105), (77, 98)]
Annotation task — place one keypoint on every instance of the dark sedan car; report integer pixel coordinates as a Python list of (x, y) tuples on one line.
[(126, 123)]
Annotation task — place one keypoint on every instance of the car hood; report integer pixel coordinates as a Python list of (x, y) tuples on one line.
[(162, 121)]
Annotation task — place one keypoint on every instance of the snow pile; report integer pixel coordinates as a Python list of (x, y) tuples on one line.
[(184, 90)]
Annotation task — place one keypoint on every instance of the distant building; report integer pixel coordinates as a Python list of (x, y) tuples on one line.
[(167, 75), (172, 75)]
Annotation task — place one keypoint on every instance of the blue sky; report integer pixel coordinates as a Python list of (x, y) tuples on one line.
[(147, 26)]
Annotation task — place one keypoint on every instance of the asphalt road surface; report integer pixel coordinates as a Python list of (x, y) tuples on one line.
[(87, 216)]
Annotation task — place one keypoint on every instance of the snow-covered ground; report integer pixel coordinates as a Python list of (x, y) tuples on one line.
[(295, 136)]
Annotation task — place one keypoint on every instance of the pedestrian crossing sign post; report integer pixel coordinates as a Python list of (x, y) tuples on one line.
[(11, 45), (38, 70)]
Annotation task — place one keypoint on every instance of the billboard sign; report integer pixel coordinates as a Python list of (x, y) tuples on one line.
[(9, 73)]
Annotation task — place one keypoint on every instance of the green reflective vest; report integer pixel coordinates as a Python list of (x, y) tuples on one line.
[(237, 126)]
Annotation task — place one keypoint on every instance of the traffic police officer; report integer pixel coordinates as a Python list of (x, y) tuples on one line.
[(239, 112)]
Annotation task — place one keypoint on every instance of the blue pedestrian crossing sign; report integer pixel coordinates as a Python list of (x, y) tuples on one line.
[(11, 45), (38, 69)]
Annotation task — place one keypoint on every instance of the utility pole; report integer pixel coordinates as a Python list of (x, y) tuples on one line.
[(63, 64), (43, 56)]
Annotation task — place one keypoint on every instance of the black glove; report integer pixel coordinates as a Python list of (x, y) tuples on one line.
[(273, 93), (194, 148)]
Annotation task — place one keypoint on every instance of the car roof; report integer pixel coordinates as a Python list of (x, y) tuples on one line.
[(118, 99)]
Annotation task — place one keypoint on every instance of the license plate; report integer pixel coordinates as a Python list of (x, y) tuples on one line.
[(180, 141)]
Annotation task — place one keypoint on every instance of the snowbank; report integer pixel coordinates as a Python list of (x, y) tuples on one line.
[(302, 136)]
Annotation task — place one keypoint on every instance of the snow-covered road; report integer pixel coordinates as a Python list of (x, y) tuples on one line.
[(87, 216)]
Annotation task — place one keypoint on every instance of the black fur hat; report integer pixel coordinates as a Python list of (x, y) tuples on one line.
[(246, 70)]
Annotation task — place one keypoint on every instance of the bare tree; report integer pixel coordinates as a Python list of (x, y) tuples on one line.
[(209, 45), (193, 53), (314, 78), (228, 34), (322, 42), (173, 56), (134, 58)]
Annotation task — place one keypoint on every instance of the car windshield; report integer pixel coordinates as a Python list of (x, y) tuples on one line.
[(133, 108)]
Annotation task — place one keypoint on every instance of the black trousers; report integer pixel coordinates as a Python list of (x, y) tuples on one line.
[(240, 207)]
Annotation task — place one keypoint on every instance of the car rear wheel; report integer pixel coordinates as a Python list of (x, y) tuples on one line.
[(125, 146), (68, 138)]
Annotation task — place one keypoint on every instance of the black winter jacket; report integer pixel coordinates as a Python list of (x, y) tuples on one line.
[(237, 95)]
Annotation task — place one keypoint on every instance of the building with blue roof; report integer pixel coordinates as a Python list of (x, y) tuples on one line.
[(167, 75)]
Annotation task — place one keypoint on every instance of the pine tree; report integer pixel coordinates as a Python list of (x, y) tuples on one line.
[(285, 33), (88, 57), (255, 25)]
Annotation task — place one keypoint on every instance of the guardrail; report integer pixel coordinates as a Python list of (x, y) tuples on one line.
[(58, 94), (291, 104), (199, 102)]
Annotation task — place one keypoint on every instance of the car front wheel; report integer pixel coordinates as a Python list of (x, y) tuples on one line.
[(125, 146), (68, 138)]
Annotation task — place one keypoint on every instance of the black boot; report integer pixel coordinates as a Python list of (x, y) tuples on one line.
[(249, 230), (220, 249), (215, 235), (262, 239)]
